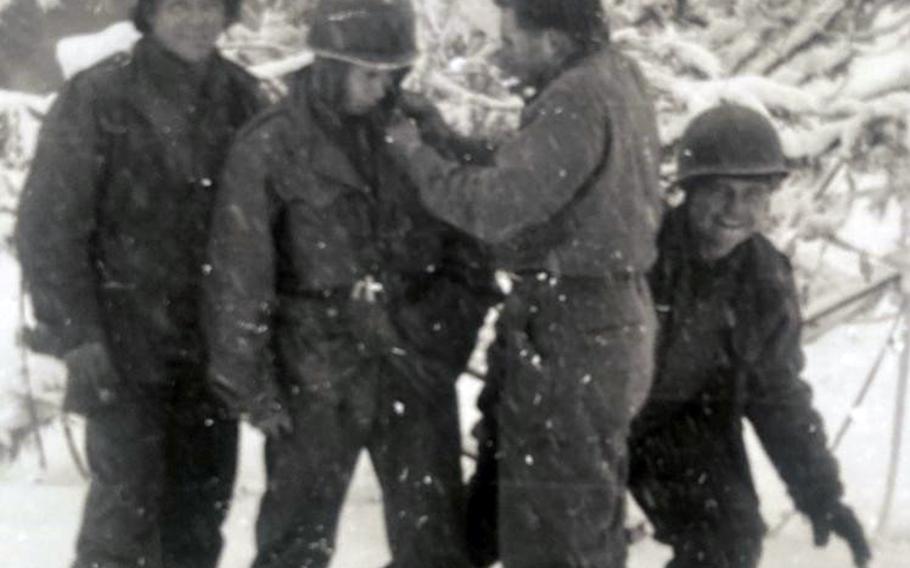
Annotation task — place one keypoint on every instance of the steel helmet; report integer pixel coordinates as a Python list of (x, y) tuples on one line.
[(371, 33), (730, 140)]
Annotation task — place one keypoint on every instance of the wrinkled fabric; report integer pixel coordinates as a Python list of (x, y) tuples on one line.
[(300, 231), (163, 466), (556, 412), (571, 205), (112, 230), (414, 446), (729, 349), (334, 293), (113, 221), (575, 190)]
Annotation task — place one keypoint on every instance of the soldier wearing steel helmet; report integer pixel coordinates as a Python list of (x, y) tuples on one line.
[(729, 349), (342, 313)]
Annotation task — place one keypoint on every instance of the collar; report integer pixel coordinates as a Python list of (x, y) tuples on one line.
[(317, 121), (167, 90)]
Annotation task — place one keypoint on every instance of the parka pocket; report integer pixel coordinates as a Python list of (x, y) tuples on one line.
[(326, 241)]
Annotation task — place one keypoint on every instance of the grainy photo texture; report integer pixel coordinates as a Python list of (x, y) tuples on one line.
[(454, 283)]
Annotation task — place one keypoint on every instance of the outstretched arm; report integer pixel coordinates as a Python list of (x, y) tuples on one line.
[(532, 176), (779, 405)]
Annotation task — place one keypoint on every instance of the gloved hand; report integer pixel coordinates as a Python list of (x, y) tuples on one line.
[(421, 108), (840, 520), (93, 381)]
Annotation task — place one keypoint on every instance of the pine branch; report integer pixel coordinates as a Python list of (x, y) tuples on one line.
[(814, 25)]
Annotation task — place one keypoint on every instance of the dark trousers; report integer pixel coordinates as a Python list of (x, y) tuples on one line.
[(691, 478), (571, 359), (414, 445), (163, 466)]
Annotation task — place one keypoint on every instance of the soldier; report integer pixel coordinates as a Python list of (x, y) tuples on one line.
[(342, 312), (729, 348), (112, 234), (572, 205)]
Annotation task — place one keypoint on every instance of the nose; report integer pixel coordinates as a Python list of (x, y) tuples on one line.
[(380, 86), (738, 204)]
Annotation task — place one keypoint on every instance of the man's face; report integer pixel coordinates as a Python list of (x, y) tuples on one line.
[(523, 54), (365, 88), (726, 211), (189, 28)]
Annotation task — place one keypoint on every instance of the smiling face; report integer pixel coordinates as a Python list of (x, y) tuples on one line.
[(189, 28), (726, 211)]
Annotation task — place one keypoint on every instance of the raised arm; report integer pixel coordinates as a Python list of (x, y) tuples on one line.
[(532, 175)]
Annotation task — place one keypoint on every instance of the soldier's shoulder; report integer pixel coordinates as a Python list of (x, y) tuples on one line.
[(771, 269), (106, 75), (271, 127), (241, 76)]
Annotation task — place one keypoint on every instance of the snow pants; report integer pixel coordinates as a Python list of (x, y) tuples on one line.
[(350, 402), (691, 478), (572, 360), (162, 463)]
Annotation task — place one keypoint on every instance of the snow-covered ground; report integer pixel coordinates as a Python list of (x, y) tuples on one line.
[(39, 510)]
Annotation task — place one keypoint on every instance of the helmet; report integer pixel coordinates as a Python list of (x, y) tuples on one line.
[(372, 33), (730, 140)]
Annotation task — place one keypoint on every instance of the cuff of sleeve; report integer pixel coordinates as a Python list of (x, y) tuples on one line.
[(58, 340)]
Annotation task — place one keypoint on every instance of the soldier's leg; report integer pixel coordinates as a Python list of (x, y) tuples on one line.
[(416, 451), (201, 459), (308, 472), (689, 480), (125, 450), (563, 424)]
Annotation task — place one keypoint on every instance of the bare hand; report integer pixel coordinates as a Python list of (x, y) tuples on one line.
[(91, 364), (404, 137)]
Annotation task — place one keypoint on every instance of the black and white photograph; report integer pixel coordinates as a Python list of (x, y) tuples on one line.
[(454, 283)]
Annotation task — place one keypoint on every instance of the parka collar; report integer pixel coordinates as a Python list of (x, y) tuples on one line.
[(326, 158), (568, 64), (166, 90)]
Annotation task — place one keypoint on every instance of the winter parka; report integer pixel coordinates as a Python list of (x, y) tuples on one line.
[(311, 252), (114, 218), (729, 349)]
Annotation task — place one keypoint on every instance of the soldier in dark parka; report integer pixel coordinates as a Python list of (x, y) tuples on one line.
[(342, 311), (729, 349), (571, 205), (112, 233)]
